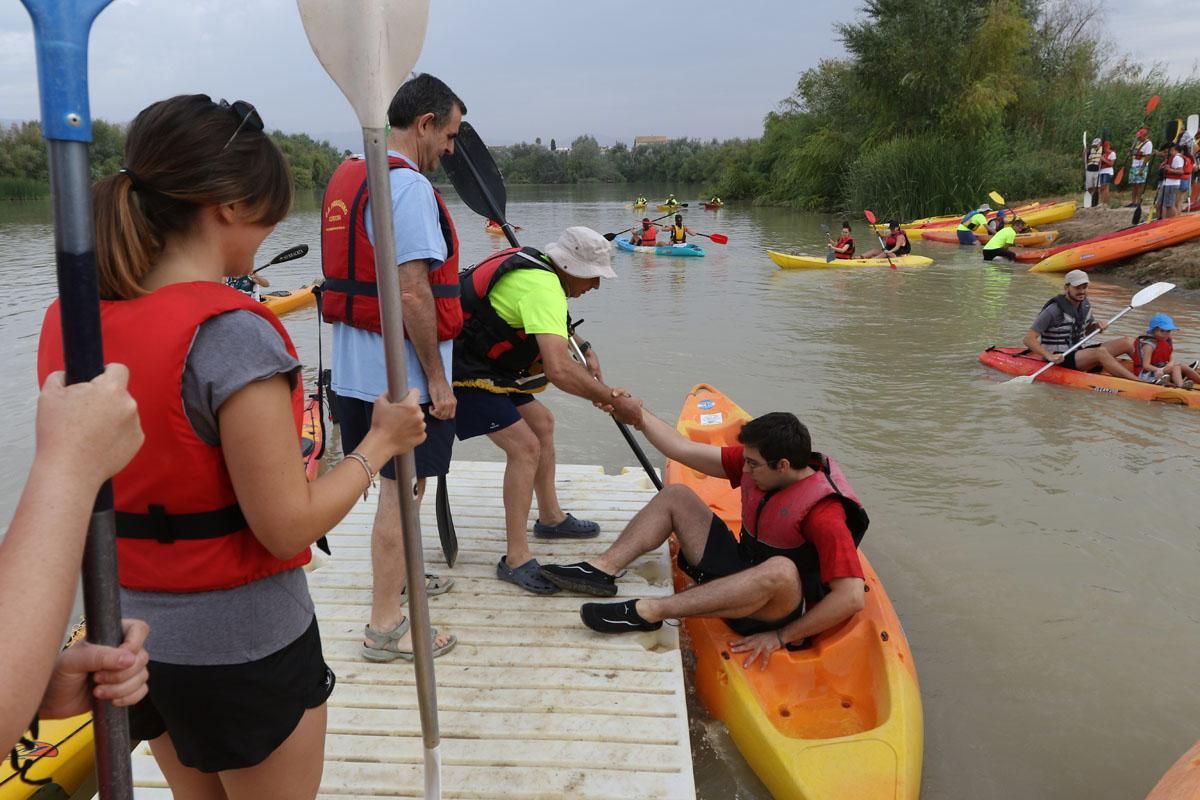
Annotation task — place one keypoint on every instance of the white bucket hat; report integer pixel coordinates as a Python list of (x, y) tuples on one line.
[(582, 253)]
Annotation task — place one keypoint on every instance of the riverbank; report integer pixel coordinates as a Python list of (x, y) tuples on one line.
[(1179, 264)]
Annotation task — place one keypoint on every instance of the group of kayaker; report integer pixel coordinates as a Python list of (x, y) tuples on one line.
[(1066, 319), (214, 516)]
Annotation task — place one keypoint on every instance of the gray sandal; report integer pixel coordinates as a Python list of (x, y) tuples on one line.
[(385, 646), (434, 585)]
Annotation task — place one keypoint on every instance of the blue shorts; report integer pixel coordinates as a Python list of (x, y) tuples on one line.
[(1169, 193), (966, 237), (481, 412), (1137, 173), (432, 455), (1106, 178), (1185, 187)]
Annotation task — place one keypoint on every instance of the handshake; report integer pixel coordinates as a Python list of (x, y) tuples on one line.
[(624, 407)]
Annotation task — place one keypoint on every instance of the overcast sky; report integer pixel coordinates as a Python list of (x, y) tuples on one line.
[(525, 68)]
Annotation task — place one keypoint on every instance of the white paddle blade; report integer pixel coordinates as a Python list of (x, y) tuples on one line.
[(1193, 125), (1022, 379), (1151, 292), (368, 47)]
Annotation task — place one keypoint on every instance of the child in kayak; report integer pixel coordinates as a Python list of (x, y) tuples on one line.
[(1152, 356), (214, 514)]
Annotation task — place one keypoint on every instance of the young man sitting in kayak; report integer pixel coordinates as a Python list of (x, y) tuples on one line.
[(1152, 356), (678, 232), (249, 284), (972, 222), (1065, 319), (895, 245), (795, 571), (844, 246)]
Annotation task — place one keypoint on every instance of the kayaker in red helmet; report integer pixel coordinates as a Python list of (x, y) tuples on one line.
[(801, 524), (1064, 320)]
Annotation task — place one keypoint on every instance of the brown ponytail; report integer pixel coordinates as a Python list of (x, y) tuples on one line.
[(181, 155)]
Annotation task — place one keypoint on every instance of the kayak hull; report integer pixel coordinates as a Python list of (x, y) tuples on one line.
[(1131, 243), (1182, 781), (680, 250), (713, 206), (665, 207), (788, 261), (63, 752), (1031, 239), (1009, 360), (841, 719), (1034, 215), (293, 300)]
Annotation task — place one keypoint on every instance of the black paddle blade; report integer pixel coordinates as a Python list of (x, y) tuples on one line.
[(445, 523), (475, 175), (291, 254)]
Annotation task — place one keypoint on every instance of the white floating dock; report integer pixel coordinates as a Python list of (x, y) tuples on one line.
[(531, 703)]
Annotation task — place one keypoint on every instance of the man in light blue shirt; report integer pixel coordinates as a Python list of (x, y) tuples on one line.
[(424, 116)]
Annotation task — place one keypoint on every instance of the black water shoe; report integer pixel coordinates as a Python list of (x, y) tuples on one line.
[(581, 577), (615, 617)]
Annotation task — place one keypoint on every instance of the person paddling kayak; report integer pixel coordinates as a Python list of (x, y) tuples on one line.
[(844, 246), (249, 284), (678, 232), (895, 244), (1064, 320), (792, 574)]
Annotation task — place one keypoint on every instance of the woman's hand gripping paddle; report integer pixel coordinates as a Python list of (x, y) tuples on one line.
[(478, 182), (829, 254), (369, 47), (870, 215), (1150, 293), (60, 32)]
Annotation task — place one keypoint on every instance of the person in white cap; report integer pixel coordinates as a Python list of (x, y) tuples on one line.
[(1065, 319), (514, 343)]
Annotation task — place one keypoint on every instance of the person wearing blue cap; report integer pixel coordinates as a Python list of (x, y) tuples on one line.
[(1152, 355)]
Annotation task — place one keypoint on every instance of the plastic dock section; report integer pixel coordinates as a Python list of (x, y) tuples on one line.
[(531, 703)]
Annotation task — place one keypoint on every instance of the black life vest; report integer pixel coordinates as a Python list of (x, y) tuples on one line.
[(1062, 336), (489, 353)]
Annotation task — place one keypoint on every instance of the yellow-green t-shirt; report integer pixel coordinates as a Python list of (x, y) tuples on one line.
[(1001, 238), (532, 299)]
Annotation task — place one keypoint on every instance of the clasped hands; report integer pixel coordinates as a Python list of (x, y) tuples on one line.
[(624, 407)]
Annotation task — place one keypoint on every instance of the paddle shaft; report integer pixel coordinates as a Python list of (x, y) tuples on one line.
[(609, 236), (61, 33), (392, 323), (497, 213), (1083, 341)]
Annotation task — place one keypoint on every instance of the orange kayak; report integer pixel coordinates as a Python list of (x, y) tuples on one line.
[(1134, 242), (1034, 256), (497, 230), (312, 437), (841, 719), (1030, 239), (1011, 361), (285, 301), (1182, 781)]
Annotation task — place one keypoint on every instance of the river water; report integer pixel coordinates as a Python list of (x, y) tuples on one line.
[(1038, 542)]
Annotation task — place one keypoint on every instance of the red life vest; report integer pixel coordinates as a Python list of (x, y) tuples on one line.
[(1189, 166), (649, 235), (179, 527), (350, 293), (1175, 173), (490, 354), (845, 240), (1163, 349), (771, 521)]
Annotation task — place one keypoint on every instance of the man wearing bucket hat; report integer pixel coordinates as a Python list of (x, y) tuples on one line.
[(514, 343), (1152, 355), (1065, 319)]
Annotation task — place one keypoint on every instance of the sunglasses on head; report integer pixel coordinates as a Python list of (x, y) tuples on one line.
[(248, 115)]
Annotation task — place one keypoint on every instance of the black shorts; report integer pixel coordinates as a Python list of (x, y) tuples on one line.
[(233, 716), (481, 412), (432, 455), (722, 557), (999, 252), (1069, 361)]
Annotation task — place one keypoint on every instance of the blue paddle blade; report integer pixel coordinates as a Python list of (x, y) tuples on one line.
[(475, 175), (60, 33)]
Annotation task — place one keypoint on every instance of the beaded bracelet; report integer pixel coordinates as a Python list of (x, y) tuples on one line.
[(366, 465)]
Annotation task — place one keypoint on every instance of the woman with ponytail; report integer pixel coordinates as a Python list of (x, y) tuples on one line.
[(214, 516)]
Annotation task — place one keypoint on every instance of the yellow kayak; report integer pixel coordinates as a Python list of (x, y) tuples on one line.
[(666, 207), (62, 752), (840, 720), (284, 301), (1033, 217), (788, 261)]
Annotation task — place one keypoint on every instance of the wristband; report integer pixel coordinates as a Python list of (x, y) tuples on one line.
[(366, 465)]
